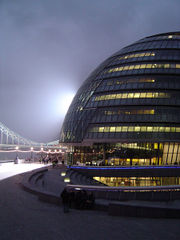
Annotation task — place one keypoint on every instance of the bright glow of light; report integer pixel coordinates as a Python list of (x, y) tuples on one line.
[(11, 169), (64, 102), (67, 180), (63, 174)]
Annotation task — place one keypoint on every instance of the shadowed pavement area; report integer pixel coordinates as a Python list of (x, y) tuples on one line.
[(22, 216)]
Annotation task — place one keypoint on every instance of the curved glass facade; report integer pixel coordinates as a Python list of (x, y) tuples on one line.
[(128, 109)]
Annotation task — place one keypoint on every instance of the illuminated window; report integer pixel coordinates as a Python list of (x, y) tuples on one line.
[(143, 95), (130, 111), (145, 54), (126, 68), (161, 129), (143, 129), (112, 129), (119, 95), (137, 66), (118, 129), (173, 129), (101, 129), (155, 65), (124, 95), (131, 67), (106, 129), (149, 129), (143, 66), (136, 95), (135, 129), (124, 129), (155, 129), (167, 129), (131, 129), (148, 66), (132, 95), (155, 145)]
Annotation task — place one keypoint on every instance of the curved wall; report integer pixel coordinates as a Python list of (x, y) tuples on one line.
[(128, 110)]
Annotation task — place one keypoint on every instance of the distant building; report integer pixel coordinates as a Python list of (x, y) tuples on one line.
[(127, 112)]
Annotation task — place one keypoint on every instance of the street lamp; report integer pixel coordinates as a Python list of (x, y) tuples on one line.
[(41, 158), (31, 152), (17, 148)]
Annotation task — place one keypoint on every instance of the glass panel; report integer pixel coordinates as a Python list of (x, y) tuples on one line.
[(112, 129)]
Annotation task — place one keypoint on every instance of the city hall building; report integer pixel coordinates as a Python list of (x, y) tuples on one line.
[(127, 112)]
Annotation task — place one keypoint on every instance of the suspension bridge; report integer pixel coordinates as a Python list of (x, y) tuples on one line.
[(13, 142)]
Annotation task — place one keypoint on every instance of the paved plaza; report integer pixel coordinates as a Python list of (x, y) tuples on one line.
[(11, 169), (24, 217)]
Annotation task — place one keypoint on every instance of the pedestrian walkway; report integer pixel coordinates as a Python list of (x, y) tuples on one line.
[(10, 169), (24, 217)]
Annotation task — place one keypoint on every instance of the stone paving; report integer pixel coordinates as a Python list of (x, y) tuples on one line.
[(23, 217)]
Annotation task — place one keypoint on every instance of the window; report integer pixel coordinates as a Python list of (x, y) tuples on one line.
[(143, 66), (101, 129), (130, 111), (132, 95), (145, 54), (112, 129), (134, 129)]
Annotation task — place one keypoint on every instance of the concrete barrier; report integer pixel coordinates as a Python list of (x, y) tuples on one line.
[(142, 211)]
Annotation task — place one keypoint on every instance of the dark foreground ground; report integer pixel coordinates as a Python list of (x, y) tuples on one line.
[(23, 217)]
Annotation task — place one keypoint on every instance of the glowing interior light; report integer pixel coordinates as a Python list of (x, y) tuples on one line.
[(67, 180), (63, 174)]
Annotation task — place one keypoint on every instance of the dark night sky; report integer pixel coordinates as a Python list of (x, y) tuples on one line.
[(49, 47)]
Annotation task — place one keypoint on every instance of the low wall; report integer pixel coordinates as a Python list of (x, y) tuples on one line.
[(142, 211)]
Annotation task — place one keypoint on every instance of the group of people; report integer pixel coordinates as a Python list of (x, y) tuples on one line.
[(47, 159), (79, 199)]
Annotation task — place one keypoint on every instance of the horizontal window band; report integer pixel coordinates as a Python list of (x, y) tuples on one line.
[(110, 129)]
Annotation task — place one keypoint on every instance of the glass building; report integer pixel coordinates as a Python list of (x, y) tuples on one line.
[(127, 112)]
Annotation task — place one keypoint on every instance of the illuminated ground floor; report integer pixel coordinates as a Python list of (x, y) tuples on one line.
[(138, 181), (123, 154)]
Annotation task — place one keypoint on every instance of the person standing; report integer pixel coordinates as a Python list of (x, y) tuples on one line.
[(65, 200)]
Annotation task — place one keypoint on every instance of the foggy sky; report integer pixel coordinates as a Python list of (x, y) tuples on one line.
[(49, 47)]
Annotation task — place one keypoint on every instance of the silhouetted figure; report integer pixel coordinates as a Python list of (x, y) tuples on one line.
[(78, 197), (65, 200), (90, 200), (71, 198), (84, 198)]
